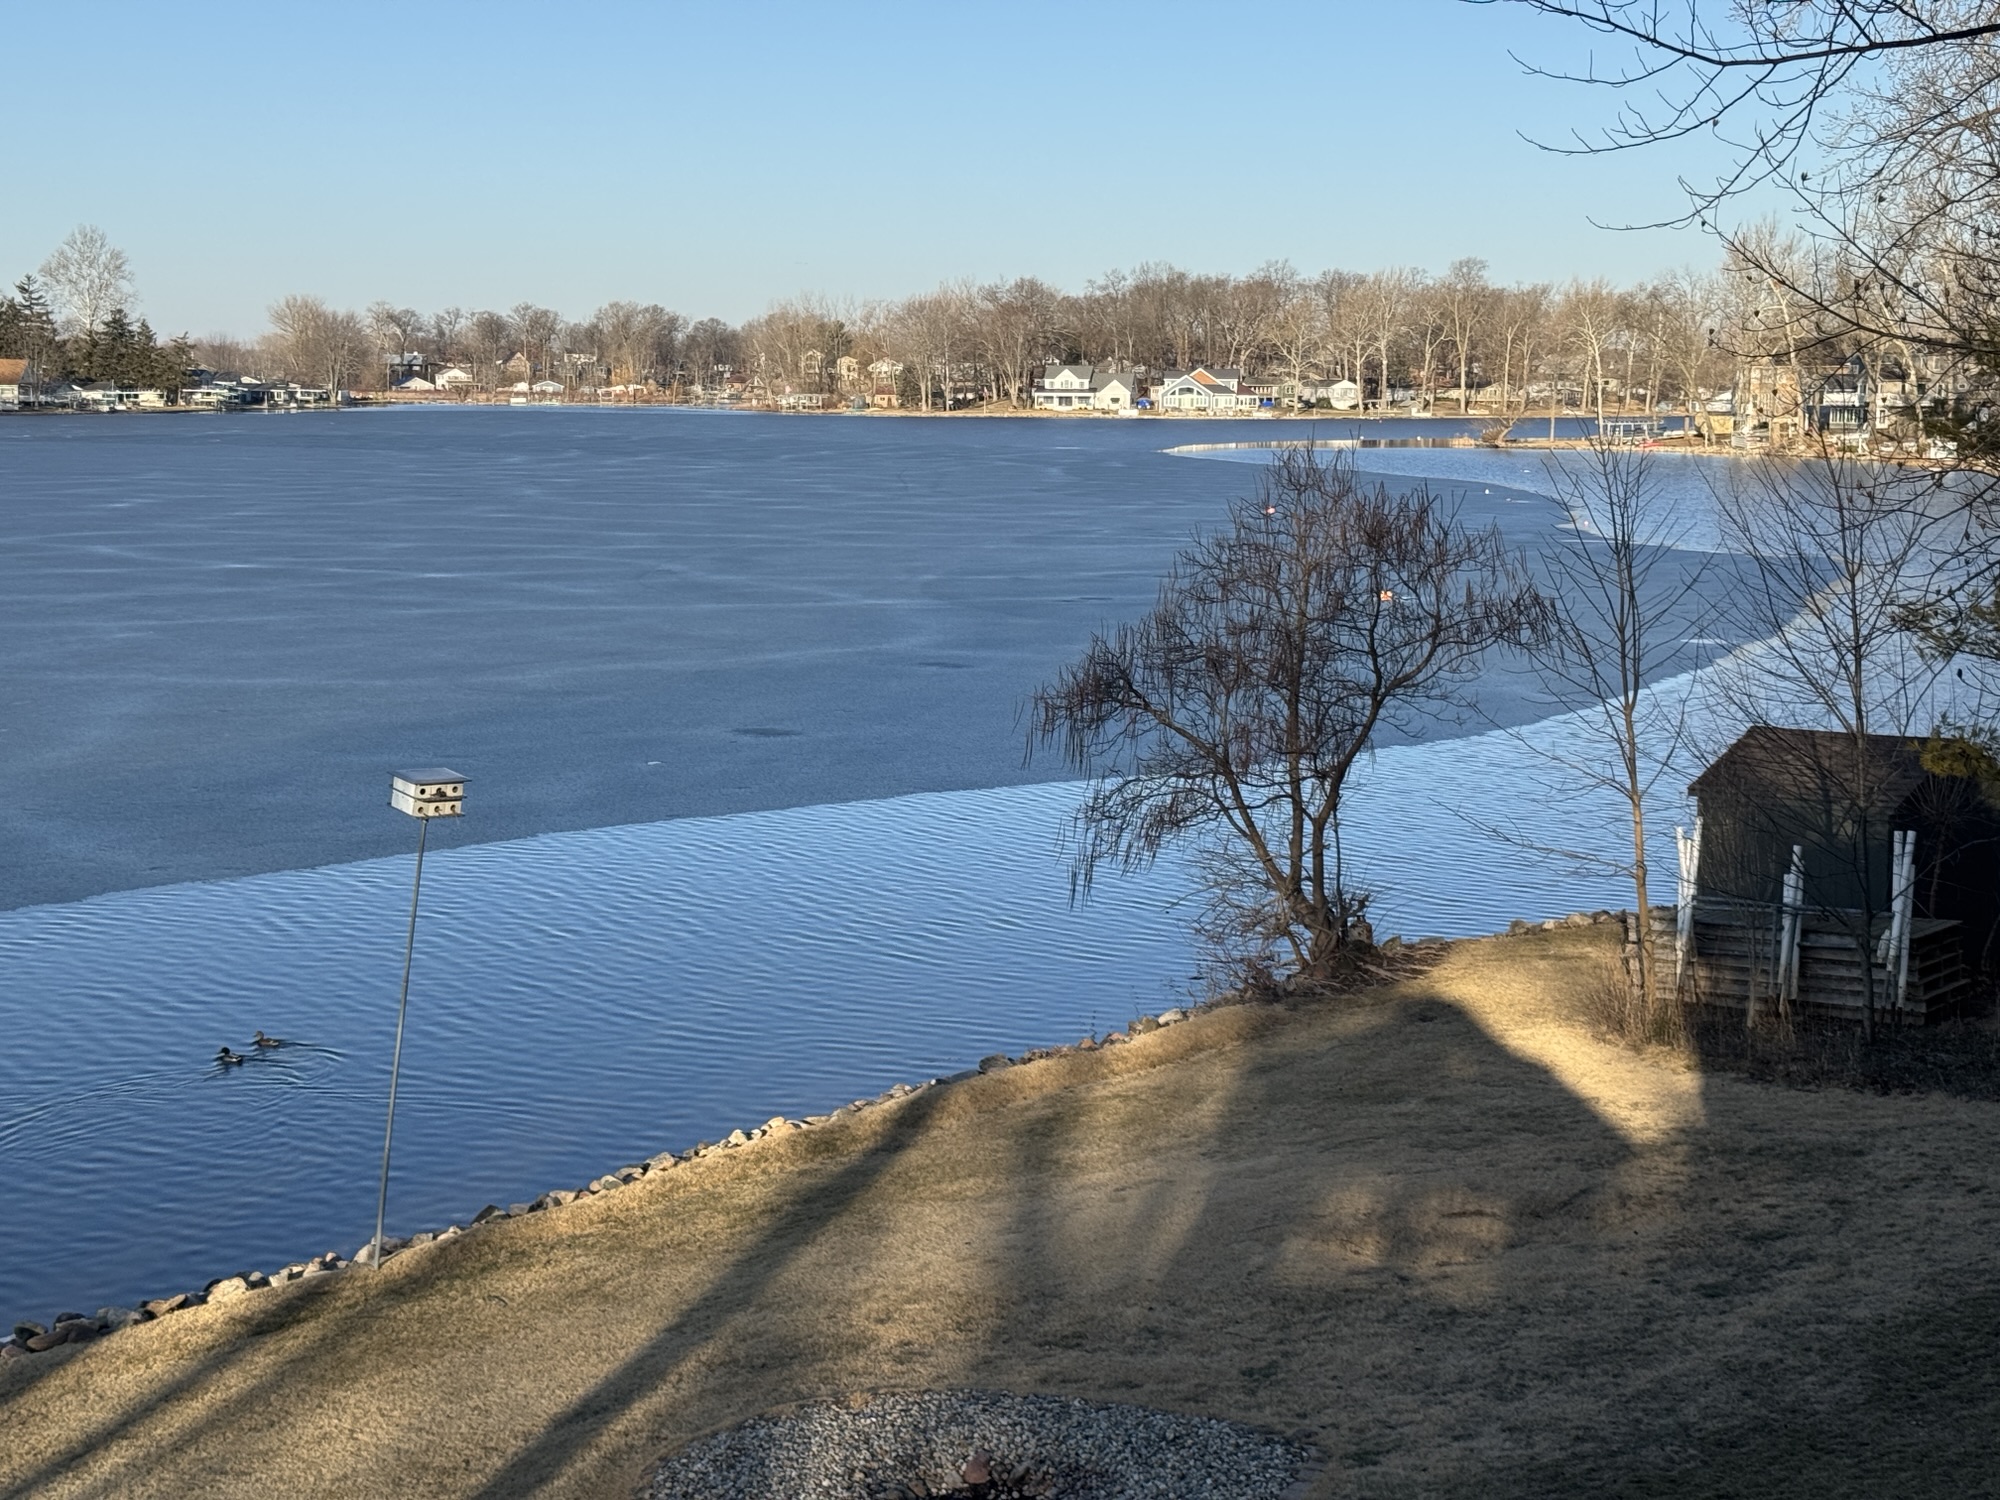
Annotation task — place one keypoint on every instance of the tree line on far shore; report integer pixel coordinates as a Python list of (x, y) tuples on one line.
[(1452, 342)]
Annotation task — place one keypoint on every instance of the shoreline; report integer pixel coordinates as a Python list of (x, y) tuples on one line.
[(1438, 1229), (66, 1328), (1682, 441), (13, 1344)]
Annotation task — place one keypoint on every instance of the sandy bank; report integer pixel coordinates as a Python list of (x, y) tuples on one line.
[(1472, 1249)]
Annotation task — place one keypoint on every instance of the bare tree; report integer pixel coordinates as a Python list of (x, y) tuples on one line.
[(447, 327), (1625, 602), (318, 343), (220, 352), (1016, 325), (930, 333), (1761, 77), (1465, 298), (1298, 332), (1690, 306), (1234, 713), (1341, 296), (491, 339), (1588, 317), (1837, 552), (89, 277), (711, 346), (535, 331), (395, 330), (1385, 301), (1523, 314), (1876, 118), (632, 336)]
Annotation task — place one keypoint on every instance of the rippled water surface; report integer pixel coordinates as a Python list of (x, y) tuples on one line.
[(584, 999), (749, 828)]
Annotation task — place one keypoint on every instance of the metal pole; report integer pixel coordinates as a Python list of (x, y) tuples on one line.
[(396, 1062)]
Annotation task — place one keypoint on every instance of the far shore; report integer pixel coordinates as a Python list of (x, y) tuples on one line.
[(1441, 1228), (1674, 441)]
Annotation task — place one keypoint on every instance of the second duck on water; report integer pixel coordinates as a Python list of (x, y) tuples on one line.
[(261, 1040), (230, 1059)]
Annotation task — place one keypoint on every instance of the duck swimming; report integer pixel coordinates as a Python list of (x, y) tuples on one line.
[(261, 1040), (230, 1059)]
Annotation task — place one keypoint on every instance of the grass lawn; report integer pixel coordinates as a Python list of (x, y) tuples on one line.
[(1470, 1248)]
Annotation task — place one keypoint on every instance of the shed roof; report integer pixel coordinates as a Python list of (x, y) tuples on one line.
[(1774, 765), (13, 371)]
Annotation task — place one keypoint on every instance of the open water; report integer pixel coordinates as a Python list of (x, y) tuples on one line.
[(749, 826)]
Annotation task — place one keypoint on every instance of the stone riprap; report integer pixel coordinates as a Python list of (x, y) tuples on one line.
[(29, 1337), (981, 1445)]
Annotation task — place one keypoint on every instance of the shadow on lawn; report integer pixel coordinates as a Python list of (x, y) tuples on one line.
[(1374, 1222), (1319, 1185), (790, 1231), (1959, 1058)]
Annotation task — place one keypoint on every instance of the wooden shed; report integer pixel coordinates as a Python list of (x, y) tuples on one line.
[(1831, 871)]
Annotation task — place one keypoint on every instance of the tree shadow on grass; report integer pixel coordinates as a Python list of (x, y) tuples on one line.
[(302, 1305), (1337, 1164), (781, 1241), (185, 1402)]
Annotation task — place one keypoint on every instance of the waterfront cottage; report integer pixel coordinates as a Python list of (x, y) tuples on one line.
[(885, 384), (1210, 392), (1087, 388), (1114, 390), (1064, 388)]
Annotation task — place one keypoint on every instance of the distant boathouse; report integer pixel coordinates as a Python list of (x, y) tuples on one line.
[(1828, 873)]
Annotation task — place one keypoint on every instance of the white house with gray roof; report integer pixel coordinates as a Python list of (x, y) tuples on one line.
[(1086, 388)]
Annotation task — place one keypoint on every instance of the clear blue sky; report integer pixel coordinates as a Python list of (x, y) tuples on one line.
[(713, 157)]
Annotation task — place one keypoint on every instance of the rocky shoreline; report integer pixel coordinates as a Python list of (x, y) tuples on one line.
[(29, 1337)]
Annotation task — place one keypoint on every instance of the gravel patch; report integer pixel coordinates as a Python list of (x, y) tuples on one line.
[(980, 1444)]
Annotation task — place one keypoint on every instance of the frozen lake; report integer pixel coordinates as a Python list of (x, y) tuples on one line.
[(749, 826)]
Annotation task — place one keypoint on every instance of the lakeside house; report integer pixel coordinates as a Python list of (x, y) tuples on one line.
[(1211, 392), (885, 384), (1867, 405), (1086, 388), (13, 384)]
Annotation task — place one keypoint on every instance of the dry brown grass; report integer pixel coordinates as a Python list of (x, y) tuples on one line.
[(1475, 1249)]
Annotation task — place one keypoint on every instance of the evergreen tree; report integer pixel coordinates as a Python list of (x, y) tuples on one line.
[(106, 352), (28, 328)]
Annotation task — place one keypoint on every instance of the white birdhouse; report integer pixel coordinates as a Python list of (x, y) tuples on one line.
[(431, 793)]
